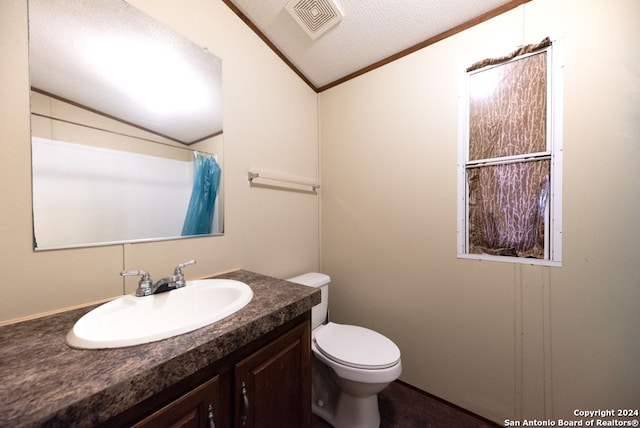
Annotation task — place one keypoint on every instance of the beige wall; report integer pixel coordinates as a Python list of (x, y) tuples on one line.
[(270, 122), (507, 341)]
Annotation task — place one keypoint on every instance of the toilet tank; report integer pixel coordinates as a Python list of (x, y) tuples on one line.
[(316, 280)]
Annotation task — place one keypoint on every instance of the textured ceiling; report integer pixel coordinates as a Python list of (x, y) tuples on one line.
[(109, 57), (370, 32)]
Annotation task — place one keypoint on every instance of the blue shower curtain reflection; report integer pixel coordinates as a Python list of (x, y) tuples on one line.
[(206, 179)]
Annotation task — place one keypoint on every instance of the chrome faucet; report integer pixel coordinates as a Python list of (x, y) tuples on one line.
[(146, 287)]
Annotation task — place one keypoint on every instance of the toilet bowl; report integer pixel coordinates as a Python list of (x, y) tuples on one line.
[(351, 365)]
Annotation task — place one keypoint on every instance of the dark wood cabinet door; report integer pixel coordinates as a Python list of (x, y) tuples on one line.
[(192, 410), (273, 385)]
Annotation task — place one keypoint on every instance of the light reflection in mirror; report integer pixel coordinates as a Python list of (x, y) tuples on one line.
[(103, 109)]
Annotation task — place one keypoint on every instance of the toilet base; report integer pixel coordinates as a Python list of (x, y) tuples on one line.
[(325, 392), (357, 412), (350, 412), (338, 408)]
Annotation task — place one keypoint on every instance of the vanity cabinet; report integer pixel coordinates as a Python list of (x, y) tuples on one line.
[(198, 408), (273, 385), (265, 384)]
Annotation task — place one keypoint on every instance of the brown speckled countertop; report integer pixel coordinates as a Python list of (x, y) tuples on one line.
[(43, 381)]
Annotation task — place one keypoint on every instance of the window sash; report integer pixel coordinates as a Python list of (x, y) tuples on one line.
[(553, 153), (527, 157), (507, 209), (508, 108)]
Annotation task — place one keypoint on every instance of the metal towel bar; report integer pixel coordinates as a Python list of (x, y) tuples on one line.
[(259, 175)]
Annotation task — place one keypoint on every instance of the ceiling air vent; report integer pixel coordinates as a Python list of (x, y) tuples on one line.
[(314, 16)]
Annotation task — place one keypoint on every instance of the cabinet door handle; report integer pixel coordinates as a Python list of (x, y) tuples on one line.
[(212, 424), (245, 404)]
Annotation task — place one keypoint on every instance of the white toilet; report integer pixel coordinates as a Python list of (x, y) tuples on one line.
[(350, 365)]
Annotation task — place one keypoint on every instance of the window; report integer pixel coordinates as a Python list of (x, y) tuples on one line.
[(510, 158)]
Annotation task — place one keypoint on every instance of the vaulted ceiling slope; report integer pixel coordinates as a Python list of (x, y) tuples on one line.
[(370, 33), (110, 58)]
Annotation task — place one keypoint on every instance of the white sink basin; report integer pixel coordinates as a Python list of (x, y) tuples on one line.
[(130, 320)]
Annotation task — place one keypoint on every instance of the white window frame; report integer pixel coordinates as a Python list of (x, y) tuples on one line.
[(553, 223)]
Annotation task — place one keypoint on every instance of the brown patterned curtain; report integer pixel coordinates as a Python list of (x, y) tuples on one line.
[(507, 200), (507, 209), (546, 42)]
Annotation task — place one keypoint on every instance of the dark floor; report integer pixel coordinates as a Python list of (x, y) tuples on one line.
[(402, 406)]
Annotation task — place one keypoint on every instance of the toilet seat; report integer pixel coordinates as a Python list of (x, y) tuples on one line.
[(356, 347)]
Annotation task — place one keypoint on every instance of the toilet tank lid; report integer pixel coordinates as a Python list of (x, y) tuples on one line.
[(312, 279)]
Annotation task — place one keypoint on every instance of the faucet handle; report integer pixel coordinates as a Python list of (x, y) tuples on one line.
[(178, 269), (144, 285), (179, 276)]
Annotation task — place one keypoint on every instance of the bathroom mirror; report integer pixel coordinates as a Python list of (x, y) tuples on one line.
[(123, 110)]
